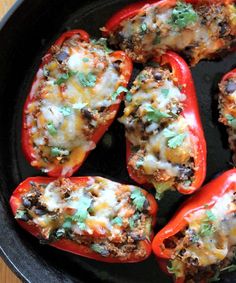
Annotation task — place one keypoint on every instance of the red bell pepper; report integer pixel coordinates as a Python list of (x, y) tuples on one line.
[(130, 11), (69, 245), (125, 69), (204, 199), (133, 9), (190, 112)]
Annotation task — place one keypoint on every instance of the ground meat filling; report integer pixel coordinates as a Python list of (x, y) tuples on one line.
[(227, 107), (161, 149), (71, 101), (207, 246), (117, 214), (156, 29)]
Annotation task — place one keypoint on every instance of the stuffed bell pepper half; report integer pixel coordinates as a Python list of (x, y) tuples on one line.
[(197, 29), (165, 141), (198, 243), (73, 100)]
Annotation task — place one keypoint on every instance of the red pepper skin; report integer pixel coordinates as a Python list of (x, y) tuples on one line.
[(126, 68), (229, 75), (208, 195), (66, 244), (133, 9), (190, 112)]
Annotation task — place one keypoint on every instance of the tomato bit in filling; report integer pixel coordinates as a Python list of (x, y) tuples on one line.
[(158, 133), (196, 31), (208, 244), (110, 218)]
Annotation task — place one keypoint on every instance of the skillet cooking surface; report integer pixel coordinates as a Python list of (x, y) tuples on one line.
[(23, 40)]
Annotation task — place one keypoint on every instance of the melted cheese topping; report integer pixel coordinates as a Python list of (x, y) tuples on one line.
[(70, 102), (100, 208), (209, 238), (198, 32), (157, 131)]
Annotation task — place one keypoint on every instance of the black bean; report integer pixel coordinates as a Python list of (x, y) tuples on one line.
[(157, 76), (230, 87), (146, 204), (116, 65), (24, 217), (87, 114), (136, 237), (185, 172), (182, 252), (62, 56), (223, 28), (27, 203), (169, 244), (40, 211)]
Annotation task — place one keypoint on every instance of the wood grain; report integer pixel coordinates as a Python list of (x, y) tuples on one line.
[(6, 275)]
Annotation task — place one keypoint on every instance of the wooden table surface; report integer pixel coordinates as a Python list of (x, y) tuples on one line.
[(6, 275)]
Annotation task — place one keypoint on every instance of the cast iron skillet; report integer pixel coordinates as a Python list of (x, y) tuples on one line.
[(25, 34)]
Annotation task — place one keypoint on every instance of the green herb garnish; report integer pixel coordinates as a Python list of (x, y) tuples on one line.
[(231, 120), (51, 129), (177, 140), (128, 96), (64, 77), (143, 27), (56, 151), (88, 80), (117, 221), (182, 15), (139, 163), (154, 115), (165, 92), (207, 227), (66, 111), (102, 42), (79, 106), (138, 199), (119, 90), (161, 188), (85, 60)]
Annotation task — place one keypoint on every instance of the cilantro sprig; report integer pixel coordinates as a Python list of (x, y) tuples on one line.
[(182, 15), (173, 139), (138, 199), (154, 115)]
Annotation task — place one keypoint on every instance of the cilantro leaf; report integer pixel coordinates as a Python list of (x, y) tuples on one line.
[(88, 80), (84, 203), (210, 215), (119, 90), (176, 140), (128, 96), (154, 115), (100, 249), (117, 221), (66, 111), (64, 77), (51, 129), (102, 42), (138, 199), (139, 163), (165, 92), (168, 133), (56, 151), (182, 15), (85, 60), (231, 120), (143, 27)]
